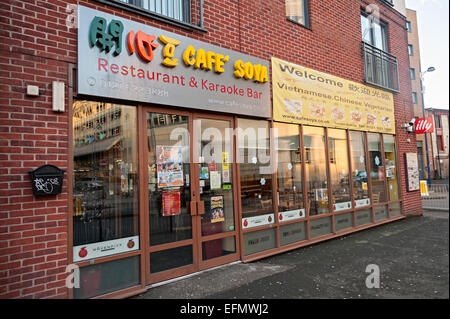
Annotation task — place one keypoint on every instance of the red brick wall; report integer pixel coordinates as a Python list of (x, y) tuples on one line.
[(36, 48)]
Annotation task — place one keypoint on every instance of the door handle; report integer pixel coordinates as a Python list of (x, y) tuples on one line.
[(193, 208), (200, 207)]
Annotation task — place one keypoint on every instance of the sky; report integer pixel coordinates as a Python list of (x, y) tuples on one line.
[(433, 24)]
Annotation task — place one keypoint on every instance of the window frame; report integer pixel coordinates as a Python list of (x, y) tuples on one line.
[(307, 23), (384, 32), (442, 143), (331, 139), (408, 26), (415, 98), (413, 73), (437, 120), (410, 50), (156, 16)]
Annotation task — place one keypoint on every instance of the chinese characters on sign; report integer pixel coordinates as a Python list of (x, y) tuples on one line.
[(107, 36), (120, 58)]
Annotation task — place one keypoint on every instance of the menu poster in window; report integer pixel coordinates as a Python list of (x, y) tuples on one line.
[(225, 161), (171, 203), (412, 169), (217, 214), (204, 173), (169, 160), (226, 176), (380, 174), (215, 180), (212, 166)]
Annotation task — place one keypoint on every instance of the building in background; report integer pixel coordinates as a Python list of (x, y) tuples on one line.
[(417, 93), (399, 5), (440, 142)]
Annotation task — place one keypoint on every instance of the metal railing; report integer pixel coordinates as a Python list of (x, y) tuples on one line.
[(437, 199), (380, 68)]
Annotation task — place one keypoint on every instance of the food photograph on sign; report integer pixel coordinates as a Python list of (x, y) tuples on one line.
[(356, 116), (293, 106), (337, 114), (317, 110), (169, 166), (371, 119), (217, 209)]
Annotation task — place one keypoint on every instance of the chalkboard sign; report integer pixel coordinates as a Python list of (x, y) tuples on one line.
[(47, 180)]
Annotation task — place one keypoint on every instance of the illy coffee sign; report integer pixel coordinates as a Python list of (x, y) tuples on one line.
[(423, 125)]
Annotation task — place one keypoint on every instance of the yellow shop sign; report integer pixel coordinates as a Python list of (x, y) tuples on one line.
[(306, 96)]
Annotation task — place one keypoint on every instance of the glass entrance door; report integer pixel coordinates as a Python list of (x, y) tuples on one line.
[(213, 150), (191, 195), (170, 221)]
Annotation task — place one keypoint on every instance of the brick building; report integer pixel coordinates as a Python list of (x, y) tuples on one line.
[(101, 98), (439, 142), (417, 94)]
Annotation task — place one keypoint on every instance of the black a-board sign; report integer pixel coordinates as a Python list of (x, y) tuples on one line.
[(47, 180)]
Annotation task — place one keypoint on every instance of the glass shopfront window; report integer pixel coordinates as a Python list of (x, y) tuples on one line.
[(395, 209), (391, 169), (376, 168), (320, 227), (363, 217), (380, 212), (316, 170), (292, 233), (100, 279), (255, 173), (168, 178), (343, 221), (289, 172), (359, 169), (339, 170), (257, 241), (105, 179), (215, 174)]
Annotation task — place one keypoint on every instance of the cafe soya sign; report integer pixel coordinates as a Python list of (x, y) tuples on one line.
[(120, 58), (306, 96)]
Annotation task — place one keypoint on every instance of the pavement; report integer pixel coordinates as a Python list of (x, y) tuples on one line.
[(411, 255)]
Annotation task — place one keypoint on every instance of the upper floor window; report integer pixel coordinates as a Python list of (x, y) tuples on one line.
[(374, 33), (380, 67), (437, 121), (414, 97), (175, 9), (413, 73), (410, 49), (408, 26), (297, 11)]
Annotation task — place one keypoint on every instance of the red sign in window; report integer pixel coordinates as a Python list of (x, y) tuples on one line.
[(424, 125)]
